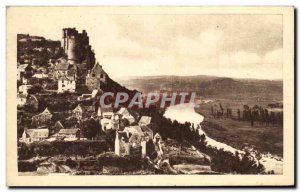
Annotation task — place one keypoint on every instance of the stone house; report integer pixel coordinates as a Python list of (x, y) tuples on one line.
[(66, 84), (133, 139), (77, 112), (112, 123), (82, 111), (95, 77), (63, 68), (145, 120), (22, 71), (42, 119), (33, 135), (69, 134), (106, 113)]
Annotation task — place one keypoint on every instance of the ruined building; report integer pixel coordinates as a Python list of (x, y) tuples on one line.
[(77, 48)]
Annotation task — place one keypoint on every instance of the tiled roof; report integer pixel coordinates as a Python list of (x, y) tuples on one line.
[(69, 78), (38, 133), (134, 129), (97, 68), (145, 120), (68, 131), (23, 66)]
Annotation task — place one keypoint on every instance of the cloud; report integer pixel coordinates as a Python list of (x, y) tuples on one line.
[(274, 57), (130, 45), (205, 44)]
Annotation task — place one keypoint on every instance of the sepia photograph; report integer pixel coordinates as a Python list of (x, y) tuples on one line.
[(150, 96)]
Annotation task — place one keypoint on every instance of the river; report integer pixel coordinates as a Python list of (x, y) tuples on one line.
[(186, 113)]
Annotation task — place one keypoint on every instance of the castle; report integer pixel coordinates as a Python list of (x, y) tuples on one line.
[(76, 47), (78, 63)]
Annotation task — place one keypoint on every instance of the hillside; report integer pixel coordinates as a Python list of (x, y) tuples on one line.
[(210, 86)]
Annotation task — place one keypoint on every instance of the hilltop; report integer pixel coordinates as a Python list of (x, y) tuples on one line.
[(210, 86)]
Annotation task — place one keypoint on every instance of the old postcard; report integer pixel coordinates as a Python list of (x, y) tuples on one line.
[(150, 96)]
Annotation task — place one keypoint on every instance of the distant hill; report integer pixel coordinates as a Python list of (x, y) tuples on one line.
[(210, 86)]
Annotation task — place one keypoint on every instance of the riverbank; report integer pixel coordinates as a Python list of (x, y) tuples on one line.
[(240, 134), (186, 113)]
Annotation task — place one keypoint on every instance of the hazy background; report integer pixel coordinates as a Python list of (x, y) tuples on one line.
[(248, 46)]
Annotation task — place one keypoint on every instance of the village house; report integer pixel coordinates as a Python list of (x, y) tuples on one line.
[(95, 77), (106, 113), (122, 145), (66, 84), (22, 71), (82, 111), (42, 118), (69, 134), (145, 120), (112, 123), (32, 135), (133, 138), (63, 68), (78, 112)]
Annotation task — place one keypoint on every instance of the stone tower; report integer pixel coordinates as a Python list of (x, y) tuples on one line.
[(69, 42), (77, 48)]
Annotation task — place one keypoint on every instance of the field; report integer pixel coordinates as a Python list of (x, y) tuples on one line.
[(239, 134)]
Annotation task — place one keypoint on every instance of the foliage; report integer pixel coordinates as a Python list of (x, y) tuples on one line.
[(90, 128), (227, 162), (27, 151)]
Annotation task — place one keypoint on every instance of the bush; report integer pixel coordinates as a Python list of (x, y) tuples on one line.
[(24, 166), (27, 151)]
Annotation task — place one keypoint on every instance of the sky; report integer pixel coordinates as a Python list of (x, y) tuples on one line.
[(240, 46)]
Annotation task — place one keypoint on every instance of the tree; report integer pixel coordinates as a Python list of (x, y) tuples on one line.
[(239, 114), (267, 119), (124, 123), (110, 136), (72, 122), (90, 128), (222, 109), (35, 89)]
